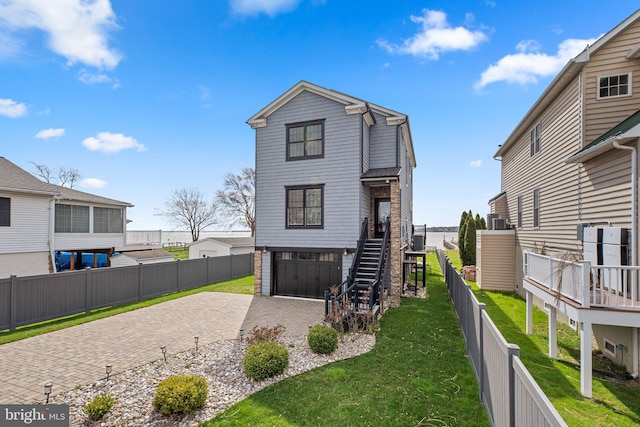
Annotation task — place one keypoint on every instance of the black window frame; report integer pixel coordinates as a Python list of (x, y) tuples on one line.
[(304, 208), (5, 212), (304, 141), (613, 84)]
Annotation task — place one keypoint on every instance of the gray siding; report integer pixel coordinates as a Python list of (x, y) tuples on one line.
[(383, 143), (366, 151), (406, 190), (338, 171)]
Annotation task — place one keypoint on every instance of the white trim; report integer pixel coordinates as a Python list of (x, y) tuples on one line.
[(606, 341), (629, 86)]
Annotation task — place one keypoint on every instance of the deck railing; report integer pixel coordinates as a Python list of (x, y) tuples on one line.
[(611, 286)]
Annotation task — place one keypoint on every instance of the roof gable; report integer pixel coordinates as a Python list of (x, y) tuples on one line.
[(566, 75), (351, 104), (15, 179)]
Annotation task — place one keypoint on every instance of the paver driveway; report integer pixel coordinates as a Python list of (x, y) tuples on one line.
[(78, 355)]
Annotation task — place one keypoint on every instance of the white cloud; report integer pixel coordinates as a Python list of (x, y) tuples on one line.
[(108, 142), (11, 108), (436, 36), (92, 183), (89, 78), (529, 64), (77, 29), (268, 7), (475, 163), (50, 133)]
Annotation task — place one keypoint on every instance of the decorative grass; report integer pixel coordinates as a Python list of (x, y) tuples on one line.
[(614, 403), (243, 285), (416, 375)]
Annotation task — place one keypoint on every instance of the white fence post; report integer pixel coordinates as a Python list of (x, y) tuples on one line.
[(586, 284)]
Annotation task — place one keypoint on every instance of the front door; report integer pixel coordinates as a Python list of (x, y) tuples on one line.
[(383, 211)]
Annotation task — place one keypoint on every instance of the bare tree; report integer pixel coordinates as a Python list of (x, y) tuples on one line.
[(238, 198), (187, 207), (67, 177), (44, 172)]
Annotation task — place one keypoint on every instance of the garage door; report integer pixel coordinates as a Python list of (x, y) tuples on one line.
[(306, 274)]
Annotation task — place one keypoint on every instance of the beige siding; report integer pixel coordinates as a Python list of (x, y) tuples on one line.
[(495, 253), (603, 114), (547, 171), (499, 206), (606, 189)]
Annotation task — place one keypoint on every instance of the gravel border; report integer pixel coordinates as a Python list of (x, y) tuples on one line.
[(220, 363)]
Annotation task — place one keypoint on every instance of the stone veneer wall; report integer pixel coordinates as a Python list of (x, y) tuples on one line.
[(396, 251)]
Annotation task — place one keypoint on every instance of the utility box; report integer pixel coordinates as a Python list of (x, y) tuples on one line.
[(592, 245), (615, 246)]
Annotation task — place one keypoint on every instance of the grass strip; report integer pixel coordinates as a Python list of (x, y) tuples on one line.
[(243, 285), (417, 374), (615, 403)]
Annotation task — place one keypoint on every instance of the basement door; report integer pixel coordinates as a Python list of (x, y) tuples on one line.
[(306, 274)]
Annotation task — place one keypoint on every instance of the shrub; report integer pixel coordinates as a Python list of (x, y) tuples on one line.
[(181, 393), (265, 333), (265, 360), (100, 405), (322, 339)]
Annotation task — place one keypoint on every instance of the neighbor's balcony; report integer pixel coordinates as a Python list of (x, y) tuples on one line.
[(590, 286)]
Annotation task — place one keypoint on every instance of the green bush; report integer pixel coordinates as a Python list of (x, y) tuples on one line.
[(322, 339), (265, 360), (181, 393), (100, 405)]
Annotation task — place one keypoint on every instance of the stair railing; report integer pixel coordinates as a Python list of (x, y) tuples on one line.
[(348, 287), (375, 289), (364, 232)]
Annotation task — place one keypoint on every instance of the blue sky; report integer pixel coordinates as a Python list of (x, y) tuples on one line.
[(144, 97)]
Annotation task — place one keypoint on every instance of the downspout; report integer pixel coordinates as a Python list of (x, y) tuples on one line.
[(634, 226), (52, 209)]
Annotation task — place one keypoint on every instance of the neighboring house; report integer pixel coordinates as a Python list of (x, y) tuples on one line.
[(123, 259), (38, 219), (220, 246), (571, 163), (324, 161)]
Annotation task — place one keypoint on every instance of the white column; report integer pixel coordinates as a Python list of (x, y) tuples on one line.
[(585, 359), (529, 298), (553, 332)]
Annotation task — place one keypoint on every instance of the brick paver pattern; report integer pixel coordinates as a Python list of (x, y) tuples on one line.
[(79, 355)]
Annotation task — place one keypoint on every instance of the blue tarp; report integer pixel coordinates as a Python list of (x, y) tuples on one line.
[(63, 260)]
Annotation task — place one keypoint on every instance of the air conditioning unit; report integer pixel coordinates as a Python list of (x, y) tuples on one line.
[(500, 224), (490, 218)]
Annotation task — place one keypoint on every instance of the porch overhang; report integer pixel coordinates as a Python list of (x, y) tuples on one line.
[(380, 176), (625, 131)]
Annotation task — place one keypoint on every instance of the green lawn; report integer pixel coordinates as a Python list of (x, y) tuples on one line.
[(243, 285), (613, 403), (181, 252), (416, 375)]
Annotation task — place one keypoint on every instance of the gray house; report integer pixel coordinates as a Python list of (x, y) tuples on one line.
[(327, 165)]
